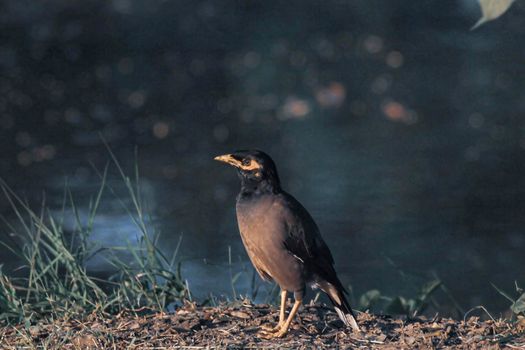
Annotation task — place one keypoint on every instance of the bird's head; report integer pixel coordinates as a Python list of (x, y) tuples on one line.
[(256, 169)]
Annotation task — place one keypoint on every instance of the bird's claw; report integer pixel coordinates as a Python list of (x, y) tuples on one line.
[(281, 333), (269, 332), (270, 335)]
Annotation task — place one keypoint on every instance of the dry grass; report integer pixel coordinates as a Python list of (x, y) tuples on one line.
[(237, 325)]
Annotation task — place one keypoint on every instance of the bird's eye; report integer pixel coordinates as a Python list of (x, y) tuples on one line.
[(246, 161)]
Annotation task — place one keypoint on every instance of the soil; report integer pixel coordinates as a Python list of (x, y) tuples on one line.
[(237, 326)]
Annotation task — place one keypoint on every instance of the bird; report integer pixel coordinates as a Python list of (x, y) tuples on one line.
[(282, 240)]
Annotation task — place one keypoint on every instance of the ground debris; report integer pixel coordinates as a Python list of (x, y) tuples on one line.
[(237, 326)]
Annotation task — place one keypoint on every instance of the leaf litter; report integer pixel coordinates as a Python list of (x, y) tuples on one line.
[(236, 326)]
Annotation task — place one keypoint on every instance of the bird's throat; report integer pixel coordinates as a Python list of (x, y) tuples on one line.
[(255, 187)]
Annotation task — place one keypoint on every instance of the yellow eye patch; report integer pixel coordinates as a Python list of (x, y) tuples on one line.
[(252, 166)]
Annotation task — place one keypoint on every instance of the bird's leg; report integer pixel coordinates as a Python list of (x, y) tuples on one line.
[(286, 325), (281, 314), (283, 307)]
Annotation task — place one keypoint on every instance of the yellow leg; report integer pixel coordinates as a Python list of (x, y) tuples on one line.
[(283, 307), (281, 314), (284, 328)]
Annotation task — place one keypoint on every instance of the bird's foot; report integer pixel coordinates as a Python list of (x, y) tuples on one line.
[(270, 335), (278, 331)]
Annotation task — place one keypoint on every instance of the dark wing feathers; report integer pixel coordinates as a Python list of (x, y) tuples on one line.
[(305, 242)]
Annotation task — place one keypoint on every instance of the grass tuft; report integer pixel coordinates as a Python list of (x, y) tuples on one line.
[(52, 279)]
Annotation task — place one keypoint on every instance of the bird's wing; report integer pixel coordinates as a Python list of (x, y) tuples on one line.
[(304, 240), (259, 267)]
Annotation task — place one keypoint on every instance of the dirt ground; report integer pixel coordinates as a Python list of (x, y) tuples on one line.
[(237, 326)]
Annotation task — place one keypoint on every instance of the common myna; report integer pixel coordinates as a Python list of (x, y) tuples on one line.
[(282, 240)]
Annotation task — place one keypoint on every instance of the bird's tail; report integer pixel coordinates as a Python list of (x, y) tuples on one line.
[(341, 305)]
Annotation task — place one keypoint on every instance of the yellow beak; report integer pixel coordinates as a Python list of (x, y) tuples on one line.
[(228, 158)]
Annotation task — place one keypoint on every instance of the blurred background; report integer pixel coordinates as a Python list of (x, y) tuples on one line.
[(399, 129)]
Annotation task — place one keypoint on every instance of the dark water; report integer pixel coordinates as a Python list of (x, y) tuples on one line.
[(400, 130)]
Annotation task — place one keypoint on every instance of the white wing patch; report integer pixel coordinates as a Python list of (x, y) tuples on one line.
[(298, 258)]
